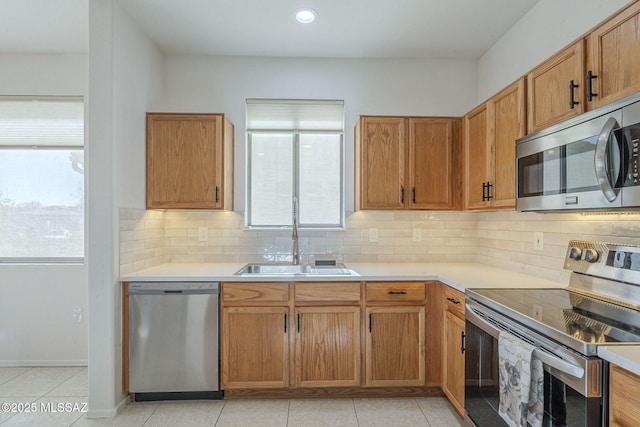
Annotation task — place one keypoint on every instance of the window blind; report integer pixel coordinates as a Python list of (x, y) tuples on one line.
[(42, 122), (295, 114)]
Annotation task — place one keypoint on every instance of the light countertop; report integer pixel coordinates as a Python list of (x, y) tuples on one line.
[(460, 276), (457, 275), (625, 356)]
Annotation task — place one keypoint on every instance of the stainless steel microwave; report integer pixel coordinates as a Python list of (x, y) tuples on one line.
[(589, 162)]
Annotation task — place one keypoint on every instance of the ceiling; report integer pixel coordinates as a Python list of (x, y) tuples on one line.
[(343, 29)]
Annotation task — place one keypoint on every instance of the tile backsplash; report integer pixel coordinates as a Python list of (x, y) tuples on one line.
[(503, 239)]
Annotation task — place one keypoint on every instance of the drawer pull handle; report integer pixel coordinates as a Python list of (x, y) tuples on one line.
[(397, 292), (453, 300)]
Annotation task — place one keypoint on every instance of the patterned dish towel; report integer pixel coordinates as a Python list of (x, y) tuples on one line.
[(521, 382)]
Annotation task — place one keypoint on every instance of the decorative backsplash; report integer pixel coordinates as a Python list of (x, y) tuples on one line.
[(502, 239)]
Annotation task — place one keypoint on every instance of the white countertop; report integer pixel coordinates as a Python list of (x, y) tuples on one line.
[(625, 356), (457, 275)]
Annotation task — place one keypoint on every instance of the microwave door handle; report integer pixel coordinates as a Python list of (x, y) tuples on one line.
[(600, 160)]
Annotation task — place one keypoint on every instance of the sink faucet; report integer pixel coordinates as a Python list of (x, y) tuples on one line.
[(295, 251)]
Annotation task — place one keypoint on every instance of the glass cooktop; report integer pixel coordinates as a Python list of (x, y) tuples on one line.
[(578, 316)]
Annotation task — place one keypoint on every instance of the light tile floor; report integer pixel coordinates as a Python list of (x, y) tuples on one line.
[(57, 397)]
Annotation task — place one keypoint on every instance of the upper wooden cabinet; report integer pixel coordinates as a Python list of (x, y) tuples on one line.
[(407, 163), (594, 71), (189, 161), (380, 144), (490, 133), (614, 58), (556, 88)]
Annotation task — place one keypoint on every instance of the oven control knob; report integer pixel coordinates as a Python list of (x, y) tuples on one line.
[(590, 255), (575, 253)]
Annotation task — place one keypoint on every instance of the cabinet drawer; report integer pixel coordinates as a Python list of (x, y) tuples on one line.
[(454, 301), (328, 291), (395, 291), (255, 292)]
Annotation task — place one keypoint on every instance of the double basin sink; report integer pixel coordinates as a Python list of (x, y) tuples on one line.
[(295, 270)]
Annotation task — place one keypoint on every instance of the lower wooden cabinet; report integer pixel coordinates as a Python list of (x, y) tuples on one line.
[(328, 346), (288, 335), (624, 397), (395, 346), (453, 361), (255, 347), (453, 348)]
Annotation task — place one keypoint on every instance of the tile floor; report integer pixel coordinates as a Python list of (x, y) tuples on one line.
[(58, 396)]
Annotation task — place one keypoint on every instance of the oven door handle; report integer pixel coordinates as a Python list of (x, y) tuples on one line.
[(470, 315), (558, 363), (545, 357)]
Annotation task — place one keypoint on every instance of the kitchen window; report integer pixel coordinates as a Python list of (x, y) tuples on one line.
[(41, 179), (295, 149)]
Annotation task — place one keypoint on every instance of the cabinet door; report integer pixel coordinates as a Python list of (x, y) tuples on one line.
[(328, 346), (381, 163), (431, 163), (506, 125), (624, 398), (614, 57), (453, 360), (477, 160), (184, 161), (549, 92), (395, 349), (255, 347)]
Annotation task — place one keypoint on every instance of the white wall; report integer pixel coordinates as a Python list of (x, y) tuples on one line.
[(383, 87), (548, 27), (126, 71), (37, 301)]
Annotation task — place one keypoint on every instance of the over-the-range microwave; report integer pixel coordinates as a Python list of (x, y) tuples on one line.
[(589, 162)]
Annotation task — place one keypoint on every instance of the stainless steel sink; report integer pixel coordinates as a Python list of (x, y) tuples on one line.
[(295, 270)]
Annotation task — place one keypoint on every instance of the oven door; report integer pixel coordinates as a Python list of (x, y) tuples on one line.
[(567, 399)]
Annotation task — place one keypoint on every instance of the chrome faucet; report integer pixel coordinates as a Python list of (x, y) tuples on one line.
[(295, 251)]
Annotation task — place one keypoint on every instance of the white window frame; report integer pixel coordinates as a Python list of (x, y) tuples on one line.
[(63, 259), (295, 180)]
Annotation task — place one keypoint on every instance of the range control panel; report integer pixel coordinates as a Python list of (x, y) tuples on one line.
[(608, 260)]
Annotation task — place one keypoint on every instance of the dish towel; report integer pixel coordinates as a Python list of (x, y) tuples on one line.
[(521, 382)]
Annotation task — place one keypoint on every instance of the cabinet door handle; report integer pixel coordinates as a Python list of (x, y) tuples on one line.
[(413, 195), (285, 323), (572, 98), (217, 194), (590, 77), (489, 187), (462, 337), (453, 300), (484, 191), (370, 322), (402, 194), (397, 292), (298, 322)]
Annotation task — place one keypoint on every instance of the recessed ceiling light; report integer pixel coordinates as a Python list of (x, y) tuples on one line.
[(306, 16)]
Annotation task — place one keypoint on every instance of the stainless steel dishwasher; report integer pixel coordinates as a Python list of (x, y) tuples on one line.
[(174, 340)]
